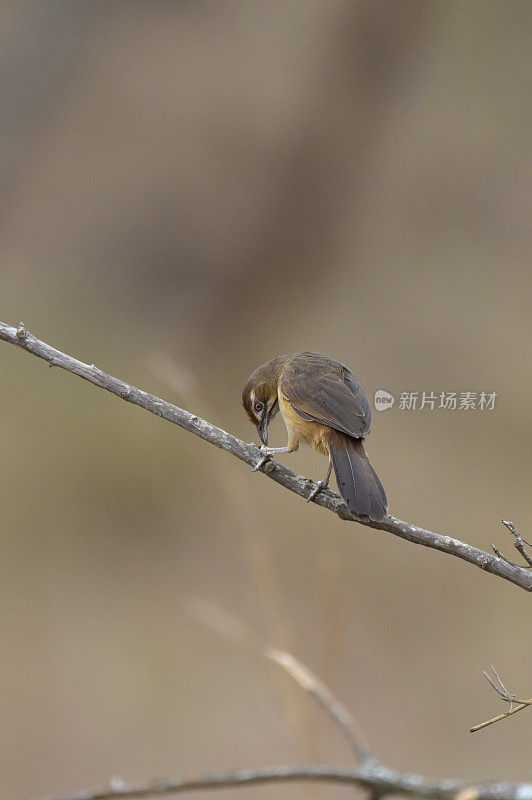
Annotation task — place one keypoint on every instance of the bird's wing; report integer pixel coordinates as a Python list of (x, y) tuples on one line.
[(325, 391)]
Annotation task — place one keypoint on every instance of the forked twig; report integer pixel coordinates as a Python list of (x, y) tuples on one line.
[(519, 545), (499, 687)]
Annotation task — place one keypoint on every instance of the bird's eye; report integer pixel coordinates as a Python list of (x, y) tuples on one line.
[(258, 406)]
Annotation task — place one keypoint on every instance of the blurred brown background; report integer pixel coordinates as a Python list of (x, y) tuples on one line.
[(187, 189)]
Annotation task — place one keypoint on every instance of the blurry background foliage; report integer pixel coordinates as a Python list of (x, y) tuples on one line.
[(187, 189)]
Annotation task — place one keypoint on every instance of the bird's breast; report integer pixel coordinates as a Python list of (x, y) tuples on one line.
[(302, 431)]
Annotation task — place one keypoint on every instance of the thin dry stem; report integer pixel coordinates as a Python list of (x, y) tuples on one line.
[(325, 698)]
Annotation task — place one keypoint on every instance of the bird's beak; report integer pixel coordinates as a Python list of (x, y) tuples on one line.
[(263, 428)]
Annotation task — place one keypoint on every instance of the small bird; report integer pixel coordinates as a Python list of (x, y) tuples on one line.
[(323, 405)]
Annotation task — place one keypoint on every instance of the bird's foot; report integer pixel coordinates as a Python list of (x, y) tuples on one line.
[(317, 489), (271, 451), (267, 453)]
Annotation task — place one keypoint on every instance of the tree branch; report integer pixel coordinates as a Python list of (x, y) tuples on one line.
[(250, 454), (377, 779), (370, 775)]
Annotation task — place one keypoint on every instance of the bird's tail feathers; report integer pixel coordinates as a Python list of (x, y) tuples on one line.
[(357, 481)]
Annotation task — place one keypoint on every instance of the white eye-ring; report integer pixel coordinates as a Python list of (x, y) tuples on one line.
[(258, 406)]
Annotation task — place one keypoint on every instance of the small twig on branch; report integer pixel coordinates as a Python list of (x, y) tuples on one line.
[(499, 687), (250, 454), (515, 704), (519, 545)]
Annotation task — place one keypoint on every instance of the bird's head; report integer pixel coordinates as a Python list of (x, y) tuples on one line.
[(259, 395)]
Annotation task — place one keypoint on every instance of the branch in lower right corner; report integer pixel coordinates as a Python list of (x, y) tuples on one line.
[(515, 704)]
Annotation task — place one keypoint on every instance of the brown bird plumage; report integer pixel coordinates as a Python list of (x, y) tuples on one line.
[(323, 405)]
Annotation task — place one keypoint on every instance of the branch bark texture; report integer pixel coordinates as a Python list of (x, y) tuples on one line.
[(250, 454), (379, 780)]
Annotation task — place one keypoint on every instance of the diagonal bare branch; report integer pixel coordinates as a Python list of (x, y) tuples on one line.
[(498, 718), (250, 454)]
